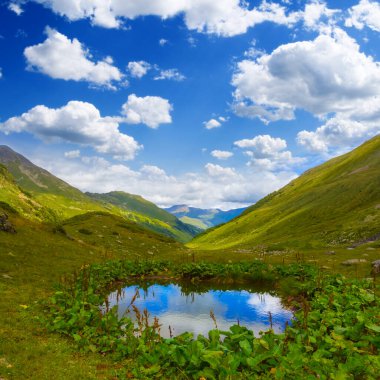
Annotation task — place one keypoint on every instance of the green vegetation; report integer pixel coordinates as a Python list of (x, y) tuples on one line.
[(333, 205), (296, 238), (29, 187), (335, 334), (18, 200), (142, 209)]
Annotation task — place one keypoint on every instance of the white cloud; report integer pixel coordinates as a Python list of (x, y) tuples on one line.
[(263, 145), (215, 123), (149, 110), (153, 171), (212, 123), (163, 42), (338, 134), (268, 153), (170, 74), (223, 17), (230, 189), (221, 154), (62, 58), (365, 13), (72, 154), (220, 171), (138, 69), (324, 76), (16, 8), (1, 72), (317, 16), (76, 122)]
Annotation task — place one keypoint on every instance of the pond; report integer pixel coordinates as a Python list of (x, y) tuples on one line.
[(180, 311)]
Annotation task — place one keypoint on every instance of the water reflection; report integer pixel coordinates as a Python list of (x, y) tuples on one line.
[(191, 312)]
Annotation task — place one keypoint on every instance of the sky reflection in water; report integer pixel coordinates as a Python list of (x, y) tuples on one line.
[(192, 312)]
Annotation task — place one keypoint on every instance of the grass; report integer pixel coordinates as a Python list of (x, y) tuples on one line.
[(36, 258), (333, 205), (301, 223)]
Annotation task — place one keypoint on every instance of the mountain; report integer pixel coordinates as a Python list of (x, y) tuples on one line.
[(334, 204), (203, 218), (16, 201), (37, 194), (137, 205), (45, 188)]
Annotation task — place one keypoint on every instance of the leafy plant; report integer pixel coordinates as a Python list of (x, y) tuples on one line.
[(334, 335)]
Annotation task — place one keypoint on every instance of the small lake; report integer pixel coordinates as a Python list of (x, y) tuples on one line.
[(191, 312)]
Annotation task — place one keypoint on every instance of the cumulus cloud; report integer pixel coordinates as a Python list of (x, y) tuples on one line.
[(149, 110), (16, 8), (62, 58), (76, 122), (328, 75), (337, 134), (268, 153), (223, 17), (218, 171), (138, 69), (72, 154), (170, 74), (215, 122), (317, 16), (263, 145), (153, 171), (221, 154), (230, 188), (212, 123), (365, 13)]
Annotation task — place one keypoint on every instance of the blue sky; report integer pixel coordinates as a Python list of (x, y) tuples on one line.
[(212, 104)]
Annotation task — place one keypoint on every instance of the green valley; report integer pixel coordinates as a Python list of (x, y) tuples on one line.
[(296, 239)]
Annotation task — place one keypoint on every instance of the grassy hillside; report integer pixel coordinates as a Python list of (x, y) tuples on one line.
[(37, 257), (203, 218), (37, 194), (334, 204), (137, 206), (46, 189), (14, 198)]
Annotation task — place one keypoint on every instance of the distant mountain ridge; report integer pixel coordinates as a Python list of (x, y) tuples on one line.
[(39, 195), (138, 205), (334, 204), (203, 218)]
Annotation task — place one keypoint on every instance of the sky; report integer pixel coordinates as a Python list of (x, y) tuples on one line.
[(199, 102)]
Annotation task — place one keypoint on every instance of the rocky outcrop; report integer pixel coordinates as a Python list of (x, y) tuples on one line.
[(354, 262), (376, 267), (5, 224)]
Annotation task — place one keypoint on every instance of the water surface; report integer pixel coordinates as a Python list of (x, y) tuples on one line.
[(191, 312)]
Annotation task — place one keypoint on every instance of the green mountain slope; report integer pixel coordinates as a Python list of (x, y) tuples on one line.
[(334, 204), (61, 201), (203, 218), (16, 200), (138, 206), (52, 192)]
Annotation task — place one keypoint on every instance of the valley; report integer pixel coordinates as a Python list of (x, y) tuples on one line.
[(327, 219)]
